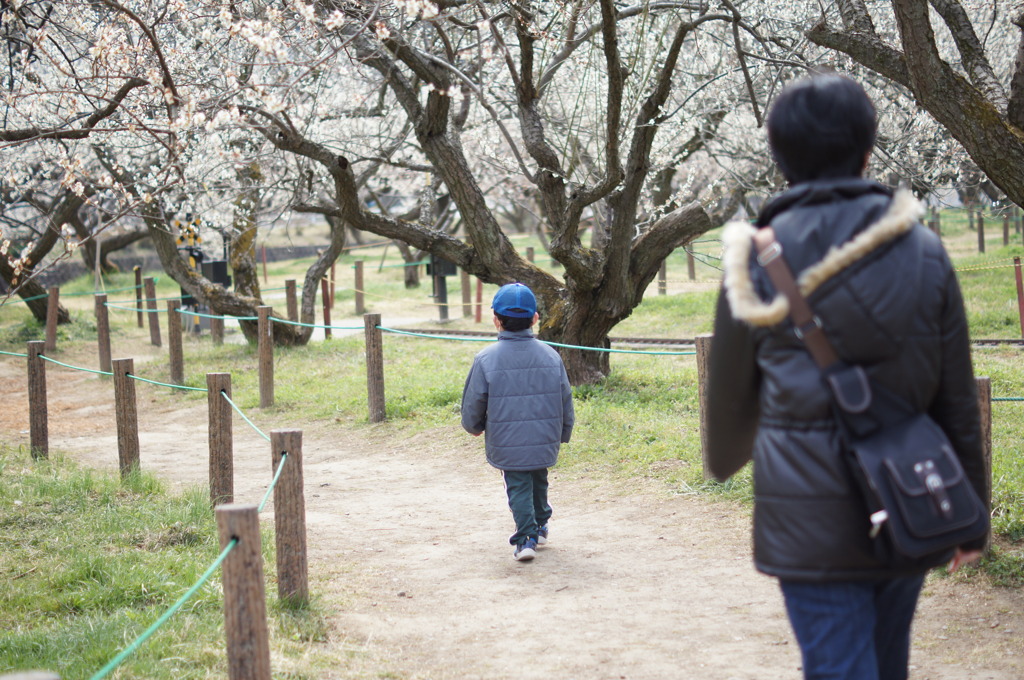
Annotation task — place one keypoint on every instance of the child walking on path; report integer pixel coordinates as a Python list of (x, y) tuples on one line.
[(518, 393)]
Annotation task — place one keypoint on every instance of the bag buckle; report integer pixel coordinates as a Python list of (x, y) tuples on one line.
[(801, 331), (936, 487), (769, 253)]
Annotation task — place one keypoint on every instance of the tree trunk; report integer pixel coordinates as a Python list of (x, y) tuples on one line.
[(244, 232), (580, 326), (411, 272), (31, 289)]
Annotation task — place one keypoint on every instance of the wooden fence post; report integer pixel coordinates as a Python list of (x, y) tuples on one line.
[(529, 254), (217, 330), (467, 294), (103, 331), (1020, 293), (154, 317), (245, 604), (374, 368), (292, 300), (52, 310), (985, 407), (222, 469), (138, 294), (479, 300), (126, 414), (334, 266), (663, 278), (38, 425), (691, 267), (1006, 229), (175, 352), (325, 294), (265, 331), (981, 232), (263, 252), (290, 516), (938, 223), (360, 304), (702, 344)]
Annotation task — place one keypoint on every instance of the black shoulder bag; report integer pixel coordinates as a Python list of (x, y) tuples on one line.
[(920, 502)]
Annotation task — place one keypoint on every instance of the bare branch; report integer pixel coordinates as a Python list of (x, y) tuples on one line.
[(856, 17), (168, 79), (33, 134), (572, 43), (1015, 105), (972, 53), (743, 61), (467, 82), (866, 50), (613, 103)]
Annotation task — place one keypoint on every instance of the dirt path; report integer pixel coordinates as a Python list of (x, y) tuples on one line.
[(407, 541)]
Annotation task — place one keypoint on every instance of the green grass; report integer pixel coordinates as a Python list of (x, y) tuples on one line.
[(89, 562)]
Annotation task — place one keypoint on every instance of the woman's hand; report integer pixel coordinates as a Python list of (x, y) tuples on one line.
[(963, 557)]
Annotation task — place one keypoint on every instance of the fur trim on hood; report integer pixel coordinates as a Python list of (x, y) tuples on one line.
[(737, 239)]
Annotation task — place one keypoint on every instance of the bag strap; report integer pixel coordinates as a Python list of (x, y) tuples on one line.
[(807, 325), (851, 389)]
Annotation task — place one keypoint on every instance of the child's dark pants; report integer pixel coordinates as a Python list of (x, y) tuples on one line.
[(528, 500)]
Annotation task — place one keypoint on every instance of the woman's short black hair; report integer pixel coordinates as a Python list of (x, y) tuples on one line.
[(514, 323), (821, 127)]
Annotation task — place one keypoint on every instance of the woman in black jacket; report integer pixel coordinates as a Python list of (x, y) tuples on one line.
[(888, 300)]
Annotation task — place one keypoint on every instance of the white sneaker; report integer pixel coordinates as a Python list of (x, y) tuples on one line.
[(542, 535), (527, 551)]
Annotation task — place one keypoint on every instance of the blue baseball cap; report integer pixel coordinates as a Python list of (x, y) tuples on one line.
[(515, 300)]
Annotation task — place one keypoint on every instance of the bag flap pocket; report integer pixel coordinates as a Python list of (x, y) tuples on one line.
[(920, 473)]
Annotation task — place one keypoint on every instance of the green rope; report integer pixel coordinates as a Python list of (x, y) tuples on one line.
[(434, 337), (244, 417), (273, 483), (159, 299), (117, 660), (1007, 398), (177, 387), (14, 354), (77, 368), (616, 351), (704, 259), (96, 292), (214, 316), (546, 342), (313, 325), (128, 309), (404, 264)]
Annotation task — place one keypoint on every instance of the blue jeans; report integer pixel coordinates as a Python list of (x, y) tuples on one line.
[(528, 500), (853, 630)]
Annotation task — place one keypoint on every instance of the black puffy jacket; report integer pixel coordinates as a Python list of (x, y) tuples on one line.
[(888, 299)]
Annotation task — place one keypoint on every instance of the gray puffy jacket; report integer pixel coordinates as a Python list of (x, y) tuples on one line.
[(518, 393)]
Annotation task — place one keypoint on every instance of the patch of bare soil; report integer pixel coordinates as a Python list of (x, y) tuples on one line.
[(408, 550)]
